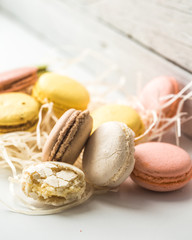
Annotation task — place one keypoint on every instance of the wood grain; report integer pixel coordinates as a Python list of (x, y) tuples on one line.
[(162, 25), (65, 26)]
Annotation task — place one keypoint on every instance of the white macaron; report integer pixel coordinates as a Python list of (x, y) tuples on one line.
[(108, 157)]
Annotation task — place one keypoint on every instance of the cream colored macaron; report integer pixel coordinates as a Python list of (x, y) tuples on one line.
[(53, 183), (108, 157)]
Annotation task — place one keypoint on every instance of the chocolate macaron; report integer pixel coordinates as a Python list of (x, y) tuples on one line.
[(68, 136)]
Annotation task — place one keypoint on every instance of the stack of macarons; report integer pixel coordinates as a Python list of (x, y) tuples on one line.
[(104, 136)]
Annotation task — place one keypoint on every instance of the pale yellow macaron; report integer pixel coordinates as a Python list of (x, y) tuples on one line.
[(120, 113), (64, 92), (18, 112)]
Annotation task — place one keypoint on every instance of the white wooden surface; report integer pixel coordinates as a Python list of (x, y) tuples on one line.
[(65, 25), (17, 46), (162, 25)]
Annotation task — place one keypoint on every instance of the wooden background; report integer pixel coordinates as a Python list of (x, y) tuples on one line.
[(145, 38)]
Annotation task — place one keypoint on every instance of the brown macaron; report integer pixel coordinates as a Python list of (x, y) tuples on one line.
[(68, 136)]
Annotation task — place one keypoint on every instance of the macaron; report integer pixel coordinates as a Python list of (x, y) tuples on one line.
[(64, 92), (53, 183), (108, 157), (152, 95), (120, 113), (18, 112), (19, 79), (68, 136), (161, 167)]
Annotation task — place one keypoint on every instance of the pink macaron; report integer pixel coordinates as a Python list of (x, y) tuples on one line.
[(19, 79), (153, 93), (161, 166)]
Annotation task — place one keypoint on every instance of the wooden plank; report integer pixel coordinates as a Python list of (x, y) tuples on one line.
[(66, 26), (162, 25)]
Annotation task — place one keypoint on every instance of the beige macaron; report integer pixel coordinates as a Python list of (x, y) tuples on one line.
[(109, 155), (68, 136)]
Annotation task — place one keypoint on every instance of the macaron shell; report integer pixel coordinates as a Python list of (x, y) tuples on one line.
[(54, 134), (172, 184), (63, 91), (161, 166), (68, 136), (121, 113), (157, 88), (30, 127), (17, 109), (108, 155), (81, 133), (17, 79)]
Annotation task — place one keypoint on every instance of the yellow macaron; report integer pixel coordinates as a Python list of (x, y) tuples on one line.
[(18, 112), (64, 92), (121, 113)]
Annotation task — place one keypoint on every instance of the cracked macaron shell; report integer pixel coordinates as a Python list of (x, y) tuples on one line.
[(63, 91), (68, 136), (53, 183), (108, 157), (161, 166), (17, 110)]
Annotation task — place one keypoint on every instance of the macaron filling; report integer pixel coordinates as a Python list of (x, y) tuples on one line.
[(65, 137), (18, 112), (143, 177), (19, 127), (67, 134)]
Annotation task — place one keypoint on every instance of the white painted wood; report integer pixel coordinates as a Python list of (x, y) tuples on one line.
[(65, 25), (18, 47), (162, 25)]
